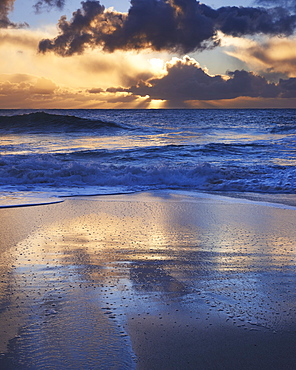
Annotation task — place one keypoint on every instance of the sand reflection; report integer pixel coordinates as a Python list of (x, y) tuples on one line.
[(90, 267)]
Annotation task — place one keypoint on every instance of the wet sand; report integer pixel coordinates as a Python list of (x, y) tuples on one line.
[(148, 281)]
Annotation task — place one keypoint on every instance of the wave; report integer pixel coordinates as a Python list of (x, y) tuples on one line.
[(284, 129), (235, 148), (51, 172), (42, 122), (284, 124), (171, 151)]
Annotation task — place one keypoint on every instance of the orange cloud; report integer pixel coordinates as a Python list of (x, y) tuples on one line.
[(28, 91), (43, 86), (19, 54)]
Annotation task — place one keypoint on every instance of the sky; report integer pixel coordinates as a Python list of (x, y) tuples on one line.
[(147, 54)]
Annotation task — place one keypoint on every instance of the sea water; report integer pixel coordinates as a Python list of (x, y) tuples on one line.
[(48, 154)]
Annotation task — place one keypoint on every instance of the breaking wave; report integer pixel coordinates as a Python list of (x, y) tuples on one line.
[(44, 172)]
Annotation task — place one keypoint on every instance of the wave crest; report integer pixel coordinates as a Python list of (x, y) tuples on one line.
[(42, 122), (49, 171)]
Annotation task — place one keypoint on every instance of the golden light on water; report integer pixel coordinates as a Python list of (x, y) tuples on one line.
[(144, 224)]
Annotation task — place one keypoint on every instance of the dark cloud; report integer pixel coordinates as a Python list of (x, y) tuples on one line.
[(185, 80), (249, 21), (85, 28), (177, 25), (49, 4), (273, 76), (6, 6), (288, 88)]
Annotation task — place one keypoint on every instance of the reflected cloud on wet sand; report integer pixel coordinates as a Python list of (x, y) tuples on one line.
[(104, 280)]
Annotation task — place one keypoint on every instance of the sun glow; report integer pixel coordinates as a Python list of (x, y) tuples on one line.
[(158, 65), (156, 104)]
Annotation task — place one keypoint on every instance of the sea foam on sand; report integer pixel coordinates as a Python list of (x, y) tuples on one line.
[(148, 281)]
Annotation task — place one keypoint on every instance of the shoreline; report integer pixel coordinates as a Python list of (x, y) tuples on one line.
[(270, 199), (148, 280)]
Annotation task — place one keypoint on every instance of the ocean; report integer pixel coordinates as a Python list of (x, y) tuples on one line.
[(178, 275), (50, 154)]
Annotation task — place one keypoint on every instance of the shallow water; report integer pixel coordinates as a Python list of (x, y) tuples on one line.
[(120, 281)]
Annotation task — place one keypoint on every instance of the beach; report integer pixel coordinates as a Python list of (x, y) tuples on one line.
[(156, 280)]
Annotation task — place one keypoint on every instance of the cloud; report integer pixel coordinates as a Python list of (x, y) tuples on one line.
[(240, 89), (175, 25), (185, 80), (23, 90), (274, 58), (49, 3), (288, 88), (43, 86), (32, 80), (6, 6), (97, 90), (290, 4), (26, 83), (87, 71), (28, 91), (21, 38)]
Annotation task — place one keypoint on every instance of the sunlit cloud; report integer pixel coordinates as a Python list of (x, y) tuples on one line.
[(157, 104), (185, 82), (18, 50), (275, 55), (158, 66)]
